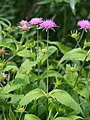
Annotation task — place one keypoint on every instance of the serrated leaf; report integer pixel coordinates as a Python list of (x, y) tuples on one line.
[(64, 98), (75, 54), (31, 117), (32, 95)]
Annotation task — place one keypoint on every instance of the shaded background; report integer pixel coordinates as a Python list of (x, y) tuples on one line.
[(66, 13)]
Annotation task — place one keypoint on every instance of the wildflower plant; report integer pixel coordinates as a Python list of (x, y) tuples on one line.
[(34, 84)]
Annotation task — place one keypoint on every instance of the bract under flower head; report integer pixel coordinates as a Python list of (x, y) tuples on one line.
[(23, 22), (24, 27), (35, 21), (84, 24), (48, 24)]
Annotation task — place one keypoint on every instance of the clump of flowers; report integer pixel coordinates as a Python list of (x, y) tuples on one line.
[(48, 24), (84, 24), (24, 24), (35, 21)]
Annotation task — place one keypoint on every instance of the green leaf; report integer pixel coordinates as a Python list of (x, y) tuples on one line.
[(50, 51), (44, 2), (14, 98), (65, 99), (61, 47), (9, 67), (24, 53), (11, 114), (32, 95), (75, 54), (62, 1), (51, 73), (72, 5), (26, 66), (31, 117), (15, 84), (7, 45), (70, 75), (68, 118)]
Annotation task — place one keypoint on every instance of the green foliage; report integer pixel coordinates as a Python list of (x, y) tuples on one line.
[(31, 117), (68, 118), (32, 95), (65, 99), (43, 79)]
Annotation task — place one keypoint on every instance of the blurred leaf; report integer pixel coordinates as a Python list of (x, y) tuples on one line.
[(7, 45), (70, 75), (11, 114), (14, 98), (32, 95), (45, 2), (72, 5), (64, 98), (31, 117), (27, 66), (24, 53), (9, 67), (68, 118)]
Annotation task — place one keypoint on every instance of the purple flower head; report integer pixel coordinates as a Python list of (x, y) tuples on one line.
[(48, 24), (35, 21), (23, 22), (84, 24)]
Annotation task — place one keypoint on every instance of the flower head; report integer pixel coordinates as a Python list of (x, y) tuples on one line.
[(23, 22), (24, 27), (48, 24), (35, 21), (84, 24)]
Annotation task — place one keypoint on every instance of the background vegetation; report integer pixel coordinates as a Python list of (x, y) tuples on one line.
[(23, 90)]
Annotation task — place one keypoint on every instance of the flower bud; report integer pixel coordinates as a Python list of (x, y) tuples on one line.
[(2, 51)]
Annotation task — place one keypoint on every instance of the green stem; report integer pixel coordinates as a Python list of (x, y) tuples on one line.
[(22, 38), (38, 64), (47, 58), (9, 58), (47, 76), (81, 69), (79, 39), (20, 116)]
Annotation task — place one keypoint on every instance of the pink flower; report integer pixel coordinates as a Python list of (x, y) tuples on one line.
[(35, 21), (48, 24), (24, 27), (23, 22), (84, 24)]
